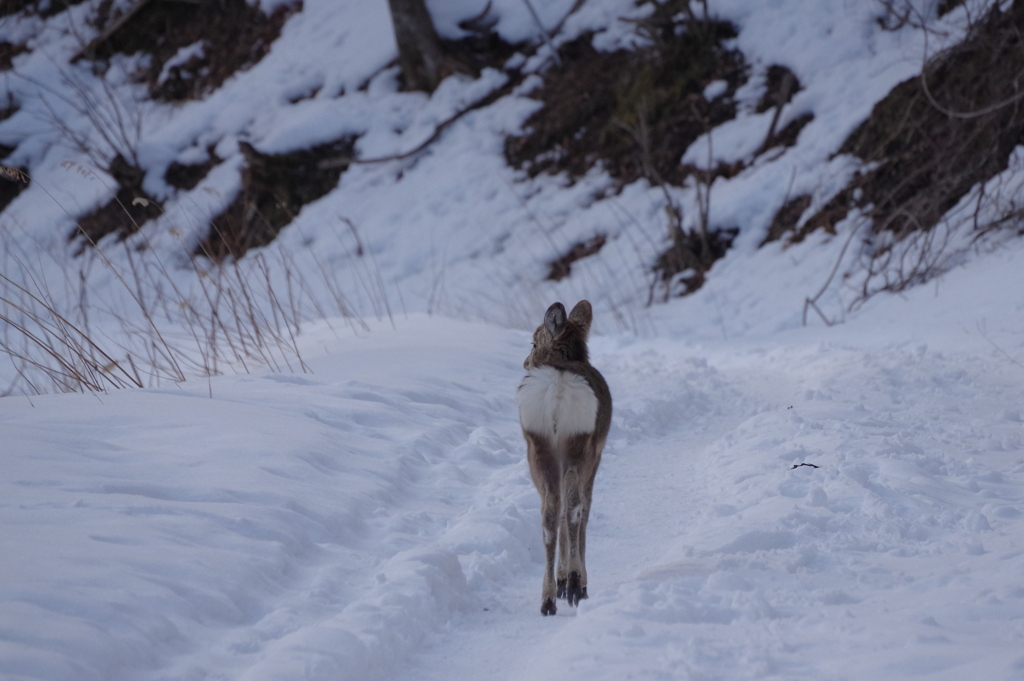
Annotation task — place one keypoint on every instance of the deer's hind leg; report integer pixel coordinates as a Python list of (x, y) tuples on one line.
[(572, 497), (588, 495), (577, 492), (563, 554), (545, 473)]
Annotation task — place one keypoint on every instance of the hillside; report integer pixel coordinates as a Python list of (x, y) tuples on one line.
[(285, 142)]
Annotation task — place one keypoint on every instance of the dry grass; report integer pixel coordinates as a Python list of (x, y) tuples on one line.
[(150, 324)]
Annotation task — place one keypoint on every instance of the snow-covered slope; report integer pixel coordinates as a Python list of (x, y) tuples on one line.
[(452, 229)]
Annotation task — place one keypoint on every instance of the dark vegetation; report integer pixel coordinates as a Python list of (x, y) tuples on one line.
[(471, 55), (682, 268), (43, 8), (634, 113), (932, 139), (781, 84), (788, 216), (8, 109), (12, 180), (631, 112), (123, 215), (188, 176), (425, 59), (946, 6), (9, 51), (478, 51), (561, 268), (274, 189), (234, 35)]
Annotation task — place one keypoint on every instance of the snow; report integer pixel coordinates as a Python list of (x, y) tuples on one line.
[(371, 515), (375, 518)]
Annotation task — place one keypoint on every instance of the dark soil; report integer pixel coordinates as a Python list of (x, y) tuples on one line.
[(946, 6), (186, 177), (274, 190), (12, 180), (235, 35), (476, 52), (43, 8), (788, 135), (692, 255), (8, 109), (560, 268), (927, 159), (786, 219), (781, 84), (634, 112), (9, 51), (123, 215)]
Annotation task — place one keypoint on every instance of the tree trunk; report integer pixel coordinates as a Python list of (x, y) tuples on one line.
[(419, 48)]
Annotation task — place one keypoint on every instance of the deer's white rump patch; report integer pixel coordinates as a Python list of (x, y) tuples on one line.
[(556, 403)]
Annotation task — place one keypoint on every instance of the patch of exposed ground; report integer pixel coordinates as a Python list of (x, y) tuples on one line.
[(274, 190), (633, 111), (787, 218), (8, 109), (9, 51), (781, 84), (43, 8), (12, 180), (194, 46), (561, 267), (935, 137), (186, 176), (124, 215), (479, 51), (682, 268)]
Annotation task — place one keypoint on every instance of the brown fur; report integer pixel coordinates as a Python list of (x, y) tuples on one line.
[(563, 468)]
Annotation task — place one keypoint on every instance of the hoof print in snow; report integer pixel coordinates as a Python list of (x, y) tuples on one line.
[(548, 607)]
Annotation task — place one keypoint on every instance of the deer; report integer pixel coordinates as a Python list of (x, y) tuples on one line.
[(565, 410)]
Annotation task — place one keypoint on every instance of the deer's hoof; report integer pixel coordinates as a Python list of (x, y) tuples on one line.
[(561, 587), (574, 592), (548, 607)]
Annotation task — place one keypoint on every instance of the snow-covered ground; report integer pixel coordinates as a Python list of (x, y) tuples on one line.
[(374, 519), (373, 516)]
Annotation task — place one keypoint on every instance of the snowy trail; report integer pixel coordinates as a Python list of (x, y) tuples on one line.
[(375, 520), (647, 489), (712, 557)]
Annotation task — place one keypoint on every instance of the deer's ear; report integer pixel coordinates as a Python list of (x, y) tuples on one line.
[(554, 319), (582, 315)]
